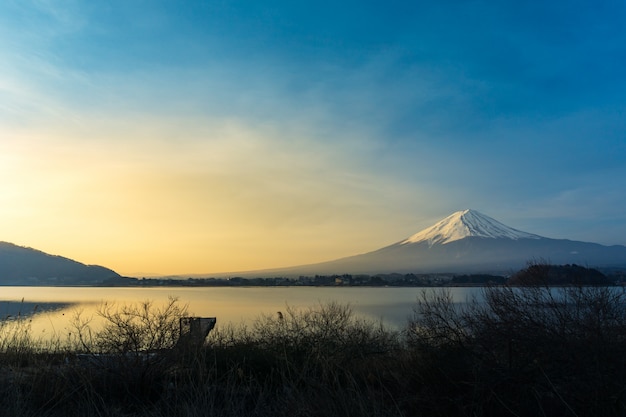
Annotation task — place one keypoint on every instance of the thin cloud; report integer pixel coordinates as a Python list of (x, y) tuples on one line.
[(282, 123)]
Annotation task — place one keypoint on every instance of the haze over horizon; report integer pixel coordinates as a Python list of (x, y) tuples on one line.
[(171, 138)]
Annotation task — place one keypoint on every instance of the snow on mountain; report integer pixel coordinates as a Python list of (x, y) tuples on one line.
[(464, 242), (466, 223)]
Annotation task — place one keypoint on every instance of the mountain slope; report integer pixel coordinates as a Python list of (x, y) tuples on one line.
[(26, 266), (466, 223), (466, 242)]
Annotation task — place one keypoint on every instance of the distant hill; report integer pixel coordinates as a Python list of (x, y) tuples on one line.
[(26, 266), (464, 242)]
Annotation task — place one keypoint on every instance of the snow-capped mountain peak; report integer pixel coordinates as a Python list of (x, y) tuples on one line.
[(466, 223)]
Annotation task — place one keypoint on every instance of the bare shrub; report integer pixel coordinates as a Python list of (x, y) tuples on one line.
[(321, 360), (527, 350), (328, 330), (139, 328), (127, 356), (312, 362)]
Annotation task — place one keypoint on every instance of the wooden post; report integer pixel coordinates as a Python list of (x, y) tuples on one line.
[(193, 331)]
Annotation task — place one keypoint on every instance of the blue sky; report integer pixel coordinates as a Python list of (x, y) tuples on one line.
[(199, 136)]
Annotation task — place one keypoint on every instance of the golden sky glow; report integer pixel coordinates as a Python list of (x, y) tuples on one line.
[(197, 137), (146, 206)]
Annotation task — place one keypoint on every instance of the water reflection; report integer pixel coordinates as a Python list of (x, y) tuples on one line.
[(51, 310), (10, 310)]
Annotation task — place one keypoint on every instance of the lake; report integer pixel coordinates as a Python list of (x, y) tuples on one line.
[(50, 309)]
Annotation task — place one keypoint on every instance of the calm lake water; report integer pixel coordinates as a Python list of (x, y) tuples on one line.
[(50, 309)]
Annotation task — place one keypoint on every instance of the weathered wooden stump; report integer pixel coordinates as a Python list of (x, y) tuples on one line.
[(193, 332)]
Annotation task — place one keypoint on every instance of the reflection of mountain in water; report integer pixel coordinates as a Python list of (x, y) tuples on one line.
[(14, 309)]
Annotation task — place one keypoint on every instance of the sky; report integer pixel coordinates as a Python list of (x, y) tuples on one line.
[(162, 137)]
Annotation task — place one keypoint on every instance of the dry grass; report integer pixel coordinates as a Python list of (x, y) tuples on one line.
[(520, 352)]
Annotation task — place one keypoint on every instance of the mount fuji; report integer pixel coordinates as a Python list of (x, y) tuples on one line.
[(464, 224), (467, 242)]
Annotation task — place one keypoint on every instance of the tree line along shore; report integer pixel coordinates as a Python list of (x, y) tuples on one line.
[(570, 274)]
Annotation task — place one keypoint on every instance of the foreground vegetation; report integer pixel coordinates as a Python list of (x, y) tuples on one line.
[(523, 351)]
